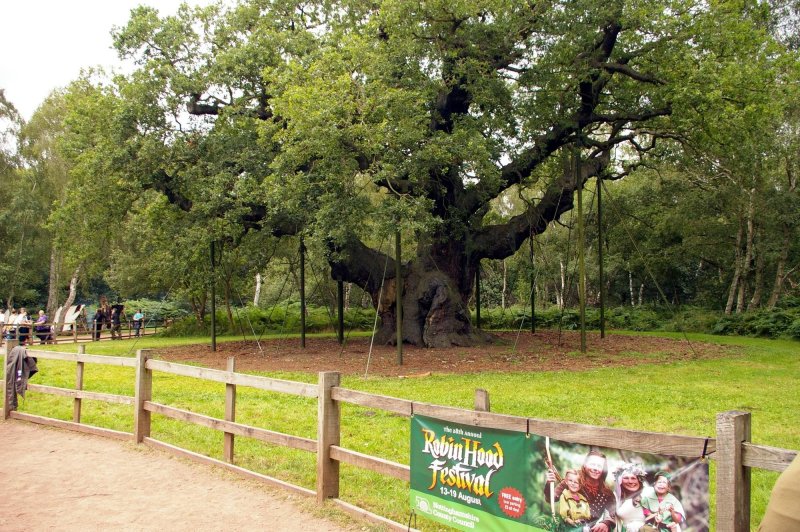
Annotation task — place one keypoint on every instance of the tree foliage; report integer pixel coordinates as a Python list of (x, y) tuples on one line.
[(465, 128)]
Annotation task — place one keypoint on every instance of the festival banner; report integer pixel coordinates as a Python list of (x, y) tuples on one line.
[(473, 478), (466, 477)]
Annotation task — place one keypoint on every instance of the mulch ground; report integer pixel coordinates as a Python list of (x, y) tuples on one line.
[(511, 352)]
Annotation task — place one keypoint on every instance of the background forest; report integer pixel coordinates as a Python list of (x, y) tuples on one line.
[(699, 226)]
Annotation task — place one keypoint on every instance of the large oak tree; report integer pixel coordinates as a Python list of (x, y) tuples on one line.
[(346, 122)]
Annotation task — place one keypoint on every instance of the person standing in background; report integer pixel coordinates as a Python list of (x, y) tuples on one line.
[(99, 319), (115, 323), (138, 318)]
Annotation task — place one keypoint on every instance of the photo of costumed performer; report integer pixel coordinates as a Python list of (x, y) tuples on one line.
[(662, 510), (592, 479), (628, 486), (572, 504)]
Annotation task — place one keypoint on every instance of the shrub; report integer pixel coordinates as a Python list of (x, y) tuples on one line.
[(277, 319)]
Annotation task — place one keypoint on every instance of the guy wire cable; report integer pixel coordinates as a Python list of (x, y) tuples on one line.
[(375, 324), (241, 303)]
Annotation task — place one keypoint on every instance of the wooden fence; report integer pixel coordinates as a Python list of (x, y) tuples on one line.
[(74, 335), (732, 450)]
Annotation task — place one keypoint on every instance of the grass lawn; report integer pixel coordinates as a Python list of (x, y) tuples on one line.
[(680, 398)]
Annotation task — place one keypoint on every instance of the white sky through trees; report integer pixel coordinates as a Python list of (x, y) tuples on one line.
[(45, 43)]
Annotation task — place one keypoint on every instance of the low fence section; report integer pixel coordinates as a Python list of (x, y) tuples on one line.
[(734, 453), (78, 394)]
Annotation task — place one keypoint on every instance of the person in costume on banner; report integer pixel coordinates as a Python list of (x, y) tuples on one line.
[(628, 486), (572, 504), (662, 510), (593, 487)]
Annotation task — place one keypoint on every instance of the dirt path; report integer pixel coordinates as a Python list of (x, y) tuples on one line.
[(59, 480)]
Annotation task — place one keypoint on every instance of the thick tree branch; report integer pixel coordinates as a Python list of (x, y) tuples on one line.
[(256, 217), (357, 263), (165, 183), (196, 106), (503, 240), (620, 68), (212, 106), (641, 116)]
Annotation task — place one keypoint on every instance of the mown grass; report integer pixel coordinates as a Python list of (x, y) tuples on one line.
[(671, 397)]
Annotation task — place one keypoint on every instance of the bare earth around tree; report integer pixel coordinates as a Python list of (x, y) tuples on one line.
[(59, 480), (515, 352)]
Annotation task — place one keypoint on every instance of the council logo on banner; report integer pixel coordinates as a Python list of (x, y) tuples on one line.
[(472, 478)]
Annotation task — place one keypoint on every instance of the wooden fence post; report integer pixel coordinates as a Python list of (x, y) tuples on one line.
[(328, 433), (10, 344), (76, 405), (144, 392), (482, 400), (230, 412), (733, 478)]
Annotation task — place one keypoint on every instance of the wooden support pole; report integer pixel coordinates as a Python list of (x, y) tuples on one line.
[(601, 280), (533, 285), (328, 433), (230, 412), (302, 293), (733, 478), (581, 248), (213, 299), (340, 309), (478, 295), (398, 275), (76, 404), (482, 400), (144, 392)]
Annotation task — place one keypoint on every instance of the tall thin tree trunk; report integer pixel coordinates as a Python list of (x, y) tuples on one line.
[(780, 275), (198, 304), (561, 296), (737, 269), (52, 291), (748, 252), (73, 290), (777, 286), (347, 288), (630, 287), (257, 295), (641, 293), (758, 283)]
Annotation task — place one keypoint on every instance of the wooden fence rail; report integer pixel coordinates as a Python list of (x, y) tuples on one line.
[(735, 455), (76, 333)]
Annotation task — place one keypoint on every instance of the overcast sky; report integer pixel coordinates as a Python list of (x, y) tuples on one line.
[(45, 43)]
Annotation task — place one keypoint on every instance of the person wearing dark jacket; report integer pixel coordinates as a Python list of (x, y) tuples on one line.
[(99, 320), (116, 321)]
